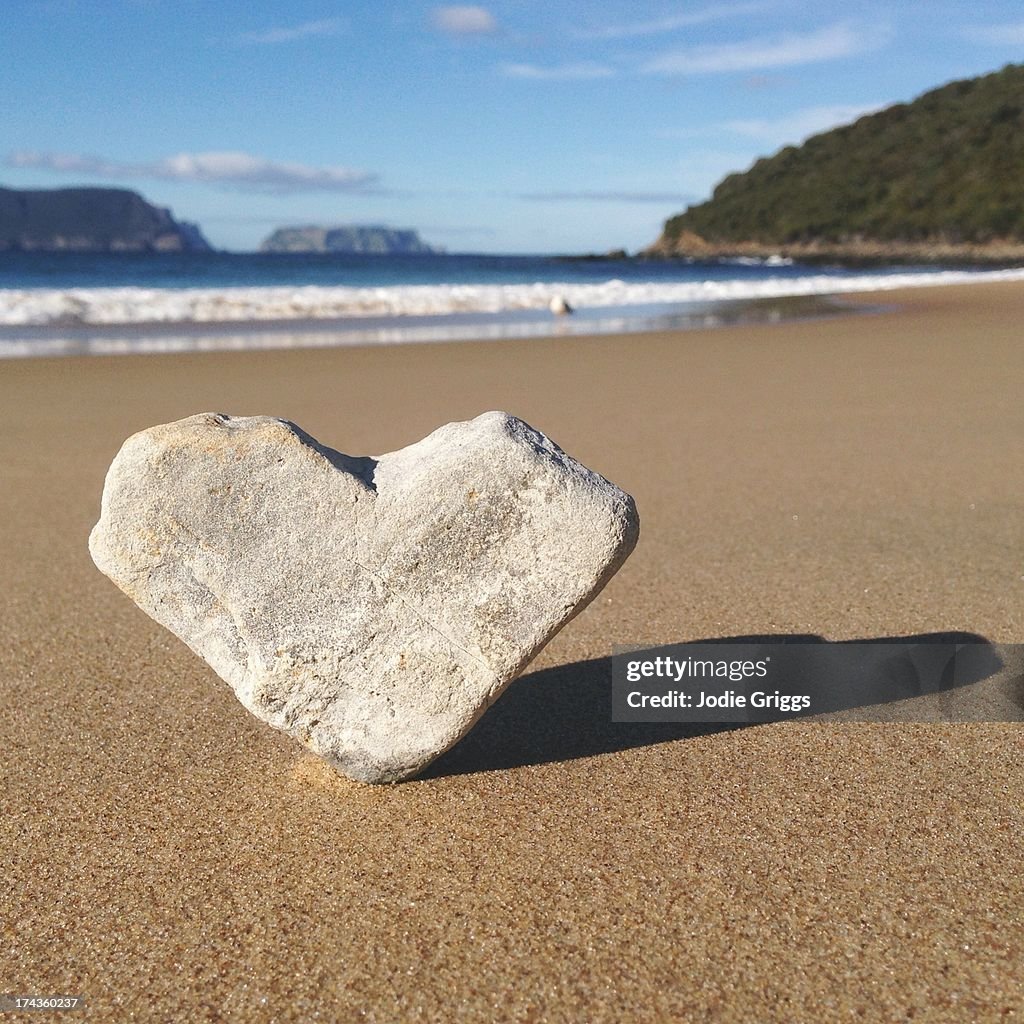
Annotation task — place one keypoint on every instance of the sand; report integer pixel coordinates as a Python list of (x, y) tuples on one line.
[(169, 858)]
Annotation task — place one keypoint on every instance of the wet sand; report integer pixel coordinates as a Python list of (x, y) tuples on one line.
[(167, 857)]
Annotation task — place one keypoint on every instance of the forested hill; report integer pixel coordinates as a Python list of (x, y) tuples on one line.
[(944, 173)]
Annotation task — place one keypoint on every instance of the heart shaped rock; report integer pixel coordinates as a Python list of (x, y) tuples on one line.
[(372, 608)]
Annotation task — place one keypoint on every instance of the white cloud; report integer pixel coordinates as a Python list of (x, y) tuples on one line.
[(457, 229), (840, 40), (1011, 34), (671, 23), (606, 197), (241, 170), (288, 34), (559, 72), (464, 20), (801, 124)]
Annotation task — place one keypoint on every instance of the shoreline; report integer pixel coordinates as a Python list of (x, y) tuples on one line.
[(221, 336), (851, 254), (697, 305), (111, 305), (853, 477)]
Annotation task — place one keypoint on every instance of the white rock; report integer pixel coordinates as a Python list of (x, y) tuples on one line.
[(372, 608)]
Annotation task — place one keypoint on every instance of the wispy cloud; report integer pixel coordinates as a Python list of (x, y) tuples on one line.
[(703, 167), (672, 23), (1011, 34), (464, 20), (557, 72), (291, 33), (605, 197), (238, 170), (758, 83), (457, 230), (801, 124), (839, 40)]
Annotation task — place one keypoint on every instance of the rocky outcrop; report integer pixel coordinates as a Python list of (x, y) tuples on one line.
[(353, 239), (852, 252), (91, 220)]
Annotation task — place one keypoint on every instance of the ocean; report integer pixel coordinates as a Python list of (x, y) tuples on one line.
[(71, 303)]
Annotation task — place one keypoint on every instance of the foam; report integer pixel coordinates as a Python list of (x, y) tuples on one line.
[(109, 306)]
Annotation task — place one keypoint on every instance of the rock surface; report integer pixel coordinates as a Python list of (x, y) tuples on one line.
[(372, 608)]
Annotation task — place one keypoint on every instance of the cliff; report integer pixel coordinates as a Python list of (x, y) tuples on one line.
[(934, 179), (353, 239), (91, 220)]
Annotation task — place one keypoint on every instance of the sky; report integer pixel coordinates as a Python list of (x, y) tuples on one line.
[(518, 127)]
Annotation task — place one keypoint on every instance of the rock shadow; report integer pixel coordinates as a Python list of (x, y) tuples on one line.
[(563, 713), (364, 467)]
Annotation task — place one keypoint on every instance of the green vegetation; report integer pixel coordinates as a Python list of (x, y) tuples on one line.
[(947, 167)]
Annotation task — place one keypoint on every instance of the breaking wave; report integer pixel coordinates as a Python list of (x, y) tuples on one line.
[(42, 307)]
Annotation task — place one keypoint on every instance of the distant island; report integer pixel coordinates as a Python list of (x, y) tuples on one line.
[(934, 180), (91, 220), (350, 239)]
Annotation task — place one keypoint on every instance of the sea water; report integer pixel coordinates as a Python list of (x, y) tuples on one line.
[(60, 303)]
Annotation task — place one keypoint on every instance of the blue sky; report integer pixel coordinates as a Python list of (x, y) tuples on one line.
[(519, 126)]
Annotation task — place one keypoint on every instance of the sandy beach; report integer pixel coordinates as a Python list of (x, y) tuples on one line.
[(168, 857)]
